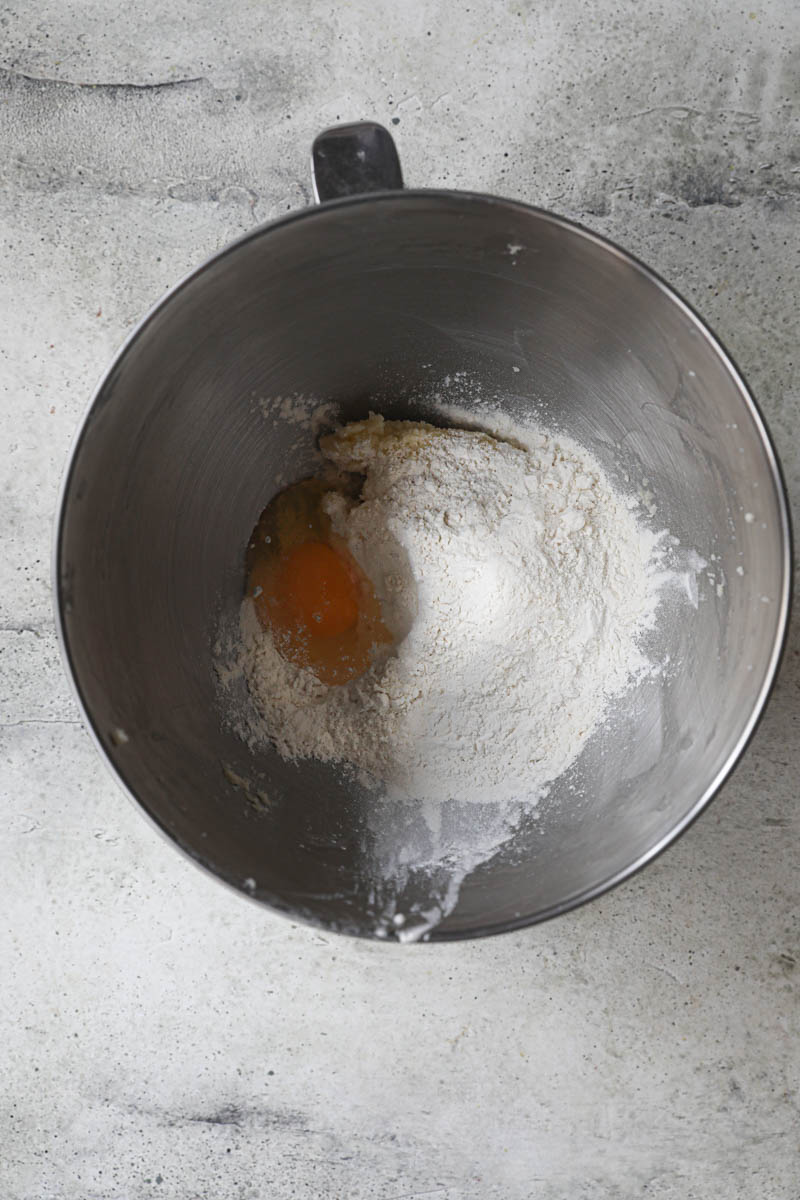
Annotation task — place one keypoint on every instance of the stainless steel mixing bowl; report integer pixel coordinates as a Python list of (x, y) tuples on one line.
[(366, 300)]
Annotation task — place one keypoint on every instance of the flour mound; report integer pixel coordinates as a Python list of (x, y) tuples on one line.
[(517, 584)]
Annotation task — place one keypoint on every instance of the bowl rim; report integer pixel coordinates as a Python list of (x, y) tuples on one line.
[(412, 196)]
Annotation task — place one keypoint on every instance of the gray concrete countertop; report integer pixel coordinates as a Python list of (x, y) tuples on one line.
[(159, 1037)]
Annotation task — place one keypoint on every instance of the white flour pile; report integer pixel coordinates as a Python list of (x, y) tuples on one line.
[(517, 584)]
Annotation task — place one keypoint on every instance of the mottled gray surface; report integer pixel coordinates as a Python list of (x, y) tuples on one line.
[(162, 1038)]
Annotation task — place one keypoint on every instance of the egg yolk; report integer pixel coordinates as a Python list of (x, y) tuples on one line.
[(318, 590), (308, 590)]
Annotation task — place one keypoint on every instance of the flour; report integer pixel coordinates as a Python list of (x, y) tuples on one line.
[(517, 584)]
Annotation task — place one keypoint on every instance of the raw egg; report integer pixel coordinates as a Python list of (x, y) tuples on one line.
[(308, 589)]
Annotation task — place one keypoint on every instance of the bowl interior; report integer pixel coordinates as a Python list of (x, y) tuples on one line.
[(383, 303)]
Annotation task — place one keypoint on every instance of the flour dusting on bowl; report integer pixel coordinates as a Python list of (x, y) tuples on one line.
[(516, 584)]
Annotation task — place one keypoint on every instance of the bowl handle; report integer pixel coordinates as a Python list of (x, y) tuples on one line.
[(349, 159)]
